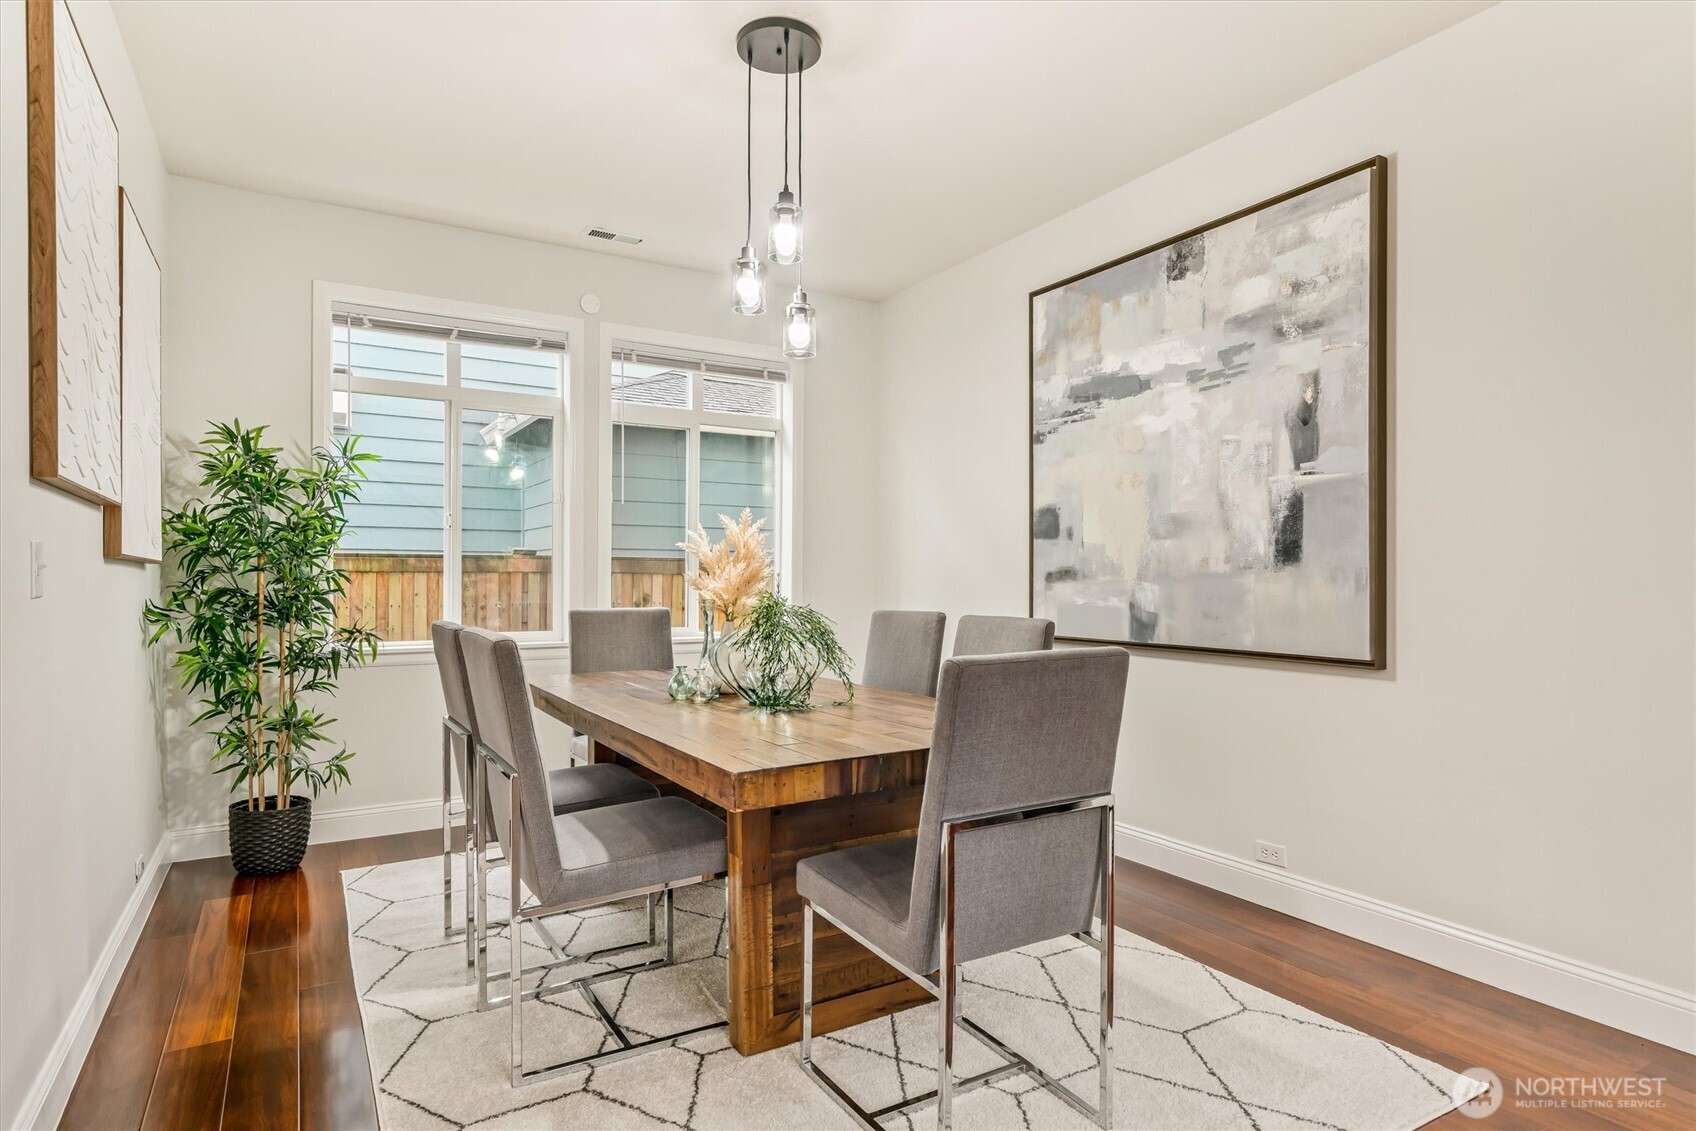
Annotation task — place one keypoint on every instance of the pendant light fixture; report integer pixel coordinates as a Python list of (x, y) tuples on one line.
[(778, 45), (748, 274), (800, 325), (784, 245)]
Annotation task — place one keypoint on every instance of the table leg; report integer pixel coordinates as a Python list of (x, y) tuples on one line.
[(851, 985)]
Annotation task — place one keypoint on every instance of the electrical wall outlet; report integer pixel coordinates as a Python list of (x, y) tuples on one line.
[(140, 867), (1272, 854)]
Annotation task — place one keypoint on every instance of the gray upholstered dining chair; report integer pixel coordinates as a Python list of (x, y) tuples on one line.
[(903, 651), (617, 640), (570, 788), (568, 861), (990, 813), (989, 636)]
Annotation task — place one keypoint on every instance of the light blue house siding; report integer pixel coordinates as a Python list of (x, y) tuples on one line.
[(738, 472), (648, 470), (648, 486), (507, 486), (400, 507)]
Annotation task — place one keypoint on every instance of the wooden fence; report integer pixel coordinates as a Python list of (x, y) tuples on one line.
[(400, 594), (644, 583)]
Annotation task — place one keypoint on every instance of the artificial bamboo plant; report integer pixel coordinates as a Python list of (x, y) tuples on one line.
[(252, 605)]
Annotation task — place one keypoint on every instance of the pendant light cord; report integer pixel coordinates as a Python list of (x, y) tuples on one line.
[(748, 236), (786, 109), (800, 130), (800, 154)]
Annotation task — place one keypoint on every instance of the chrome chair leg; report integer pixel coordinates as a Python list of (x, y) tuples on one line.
[(452, 731), (670, 934), (1104, 1098), (447, 829), (480, 849), (945, 985), (515, 939), (806, 984), (473, 839)]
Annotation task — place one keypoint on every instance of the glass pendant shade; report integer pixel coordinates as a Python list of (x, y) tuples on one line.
[(800, 327), (748, 283), (785, 231)]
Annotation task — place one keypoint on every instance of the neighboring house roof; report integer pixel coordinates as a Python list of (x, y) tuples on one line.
[(722, 394), (669, 390)]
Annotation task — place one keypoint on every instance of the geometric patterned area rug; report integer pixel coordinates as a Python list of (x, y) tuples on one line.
[(1193, 1048)]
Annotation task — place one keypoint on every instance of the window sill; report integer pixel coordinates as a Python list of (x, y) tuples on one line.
[(415, 652), (422, 652)]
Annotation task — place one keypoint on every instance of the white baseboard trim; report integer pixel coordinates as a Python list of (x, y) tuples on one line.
[(45, 1101), (1656, 1012), (201, 841)]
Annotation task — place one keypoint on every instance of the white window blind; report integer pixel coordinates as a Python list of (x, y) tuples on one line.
[(455, 329), (720, 364)]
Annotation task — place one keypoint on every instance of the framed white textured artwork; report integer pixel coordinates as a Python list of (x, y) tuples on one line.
[(76, 407), (133, 527), (1207, 435)]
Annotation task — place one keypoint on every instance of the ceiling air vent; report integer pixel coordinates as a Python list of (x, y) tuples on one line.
[(608, 234)]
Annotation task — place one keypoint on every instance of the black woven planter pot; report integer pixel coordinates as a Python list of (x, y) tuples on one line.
[(264, 842)]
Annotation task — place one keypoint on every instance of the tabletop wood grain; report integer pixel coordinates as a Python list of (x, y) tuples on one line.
[(742, 759)]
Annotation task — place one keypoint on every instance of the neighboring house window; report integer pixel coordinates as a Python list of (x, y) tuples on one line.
[(694, 436), (462, 517)]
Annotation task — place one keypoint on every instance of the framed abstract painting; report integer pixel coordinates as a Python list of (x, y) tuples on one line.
[(1207, 435)]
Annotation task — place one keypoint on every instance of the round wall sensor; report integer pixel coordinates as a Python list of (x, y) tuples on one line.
[(591, 304)]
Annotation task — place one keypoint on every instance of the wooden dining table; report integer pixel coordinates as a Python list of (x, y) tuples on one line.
[(790, 786)]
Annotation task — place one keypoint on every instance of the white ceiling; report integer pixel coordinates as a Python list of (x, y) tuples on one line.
[(934, 130)]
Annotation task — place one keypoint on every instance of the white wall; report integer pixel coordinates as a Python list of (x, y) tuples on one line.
[(1525, 766), (79, 760), (241, 277)]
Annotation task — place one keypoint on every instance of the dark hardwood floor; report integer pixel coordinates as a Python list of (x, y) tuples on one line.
[(238, 1010)]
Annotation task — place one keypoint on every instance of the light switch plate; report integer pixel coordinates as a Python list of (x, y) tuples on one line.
[(37, 569)]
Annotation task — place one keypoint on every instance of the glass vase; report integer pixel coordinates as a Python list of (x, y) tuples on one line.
[(682, 685), (787, 688), (706, 680)]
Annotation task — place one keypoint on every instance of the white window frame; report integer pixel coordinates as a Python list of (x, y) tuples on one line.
[(457, 400), (786, 556)]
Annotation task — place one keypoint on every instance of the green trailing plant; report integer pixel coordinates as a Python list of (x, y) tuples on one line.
[(777, 650), (252, 606)]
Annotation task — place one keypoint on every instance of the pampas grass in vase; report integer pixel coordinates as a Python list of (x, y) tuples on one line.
[(732, 573)]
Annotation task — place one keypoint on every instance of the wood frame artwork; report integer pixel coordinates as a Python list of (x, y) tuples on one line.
[(133, 530), (76, 403), (1207, 435)]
